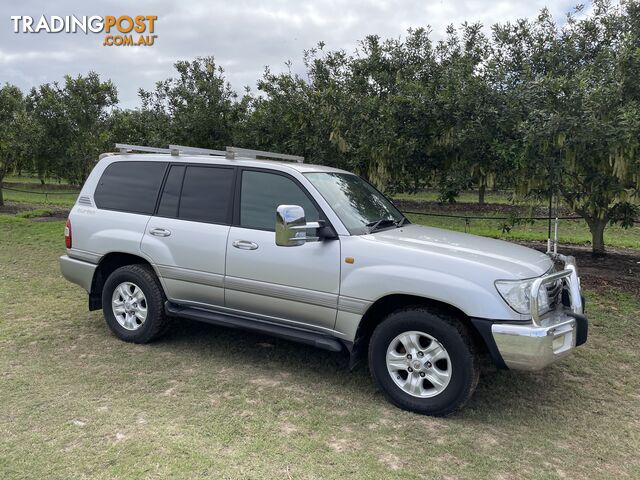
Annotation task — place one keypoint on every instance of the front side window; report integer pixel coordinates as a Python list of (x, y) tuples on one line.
[(130, 186), (263, 192), (359, 205)]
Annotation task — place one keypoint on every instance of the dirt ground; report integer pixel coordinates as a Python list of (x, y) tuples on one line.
[(619, 268), (499, 209)]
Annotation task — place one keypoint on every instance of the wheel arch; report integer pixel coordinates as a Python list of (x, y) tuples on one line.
[(382, 307), (108, 264)]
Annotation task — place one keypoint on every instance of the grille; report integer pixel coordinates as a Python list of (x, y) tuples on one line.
[(554, 292)]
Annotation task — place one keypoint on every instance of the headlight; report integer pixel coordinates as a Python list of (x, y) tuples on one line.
[(517, 294)]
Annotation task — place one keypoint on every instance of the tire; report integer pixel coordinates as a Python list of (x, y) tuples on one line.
[(454, 373), (125, 319)]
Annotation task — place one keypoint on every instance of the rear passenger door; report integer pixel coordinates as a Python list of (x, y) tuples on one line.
[(186, 238)]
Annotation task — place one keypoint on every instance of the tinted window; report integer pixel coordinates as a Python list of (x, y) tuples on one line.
[(358, 204), (206, 194), (130, 186), (263, 192), (171, 193)]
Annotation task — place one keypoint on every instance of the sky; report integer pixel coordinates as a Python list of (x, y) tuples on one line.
[(243, 36)]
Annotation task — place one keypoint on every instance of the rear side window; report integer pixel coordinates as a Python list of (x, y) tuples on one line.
[(130, 186), (171, 193), (205, 194)]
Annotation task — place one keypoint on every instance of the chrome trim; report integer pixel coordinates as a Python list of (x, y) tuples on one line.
[(535, 290), (193, 276), (568, 275), (533, 347), (245, 245), (291, 226), (284, 292)]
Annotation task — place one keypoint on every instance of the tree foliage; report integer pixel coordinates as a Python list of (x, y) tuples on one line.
[(532, 106)]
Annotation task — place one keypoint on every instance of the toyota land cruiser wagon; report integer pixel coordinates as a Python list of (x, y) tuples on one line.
[(316, 255)]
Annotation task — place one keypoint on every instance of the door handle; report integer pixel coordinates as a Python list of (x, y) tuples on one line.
[(245, 245), (160, 232)]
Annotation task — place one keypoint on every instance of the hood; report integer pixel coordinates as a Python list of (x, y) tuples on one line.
[(511, 261)]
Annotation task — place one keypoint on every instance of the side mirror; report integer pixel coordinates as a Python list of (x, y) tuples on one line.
[(291, 226)]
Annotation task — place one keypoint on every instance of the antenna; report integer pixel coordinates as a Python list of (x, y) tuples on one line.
[(551, 176)]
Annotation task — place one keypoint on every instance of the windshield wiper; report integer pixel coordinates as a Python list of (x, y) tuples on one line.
[(400, 222), (383, 221)]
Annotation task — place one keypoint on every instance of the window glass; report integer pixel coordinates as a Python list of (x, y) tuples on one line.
[(171, 192), (263, 192), (130, 186), (358, 204), (206, 194)]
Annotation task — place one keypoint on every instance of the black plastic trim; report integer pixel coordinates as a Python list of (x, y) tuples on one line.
[(582, 328), (483, 327), (307, 337)]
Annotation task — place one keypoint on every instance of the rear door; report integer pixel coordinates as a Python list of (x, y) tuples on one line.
[(297, 285), (187, 236)]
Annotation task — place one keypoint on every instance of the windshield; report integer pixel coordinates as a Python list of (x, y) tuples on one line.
[(359, 205)]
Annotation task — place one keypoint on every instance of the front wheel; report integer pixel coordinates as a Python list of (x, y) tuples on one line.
[(423, 362)]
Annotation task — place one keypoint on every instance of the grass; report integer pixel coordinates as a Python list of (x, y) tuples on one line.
[(31, 179), (569, 231), (75, 402), (40, 198)]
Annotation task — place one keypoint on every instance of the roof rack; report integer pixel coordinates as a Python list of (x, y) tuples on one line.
[(196, 150), (126, 148), (231, 153), (235, 152)]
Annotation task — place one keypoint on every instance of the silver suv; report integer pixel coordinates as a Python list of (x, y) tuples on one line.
[(316, 255)]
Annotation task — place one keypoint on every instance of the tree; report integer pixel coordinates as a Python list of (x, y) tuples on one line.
[(16, 130), (574, 97), (199, 103), (74, 121)]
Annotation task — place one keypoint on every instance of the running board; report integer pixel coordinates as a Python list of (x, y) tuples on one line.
[(307, 337)]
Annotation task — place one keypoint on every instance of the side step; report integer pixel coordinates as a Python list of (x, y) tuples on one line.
[(307, 337)]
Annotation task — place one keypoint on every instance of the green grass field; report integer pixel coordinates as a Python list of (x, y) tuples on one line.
[(569, 232), (207, 402)]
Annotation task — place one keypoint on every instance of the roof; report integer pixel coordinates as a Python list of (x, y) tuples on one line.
[(215, 160)]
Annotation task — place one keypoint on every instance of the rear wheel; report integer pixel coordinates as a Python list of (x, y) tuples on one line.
[(133, 304), (423, 361)]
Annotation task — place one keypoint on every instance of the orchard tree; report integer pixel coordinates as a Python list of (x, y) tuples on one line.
[(201, 106), (17, 130), (73, 118), (574, 104), (138, 127)]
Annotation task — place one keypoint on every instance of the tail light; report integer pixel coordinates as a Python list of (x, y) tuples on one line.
[(67, 234)]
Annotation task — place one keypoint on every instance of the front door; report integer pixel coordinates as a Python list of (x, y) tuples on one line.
[(295, 285)]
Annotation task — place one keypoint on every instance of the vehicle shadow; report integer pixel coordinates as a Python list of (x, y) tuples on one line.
[(501, 395)]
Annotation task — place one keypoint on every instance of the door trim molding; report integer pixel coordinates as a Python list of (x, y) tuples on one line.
[(283, 292), (192, 276)]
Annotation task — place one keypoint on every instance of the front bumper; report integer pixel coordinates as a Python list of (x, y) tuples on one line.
[(546, 338), (533, 347)]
